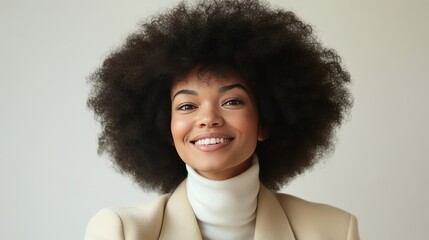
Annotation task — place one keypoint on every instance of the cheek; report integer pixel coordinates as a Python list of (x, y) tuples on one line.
[(246, 123), (250, 119), (179, 128)]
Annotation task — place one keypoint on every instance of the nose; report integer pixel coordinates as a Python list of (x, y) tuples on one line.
[(210, 117)]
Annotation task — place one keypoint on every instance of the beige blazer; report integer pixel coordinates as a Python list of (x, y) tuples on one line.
[(278, 216)]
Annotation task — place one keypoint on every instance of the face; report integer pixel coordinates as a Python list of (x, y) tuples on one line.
[(214, 124)]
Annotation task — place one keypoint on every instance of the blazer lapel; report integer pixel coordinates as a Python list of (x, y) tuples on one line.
[(179, 219), (271, 220), (180, 222)]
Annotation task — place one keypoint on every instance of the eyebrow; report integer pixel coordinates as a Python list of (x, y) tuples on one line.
[(229, 87), (220, 90), (185, 91)]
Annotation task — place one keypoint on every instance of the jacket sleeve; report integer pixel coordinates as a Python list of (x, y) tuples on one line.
[(105, 225), (353, 233)]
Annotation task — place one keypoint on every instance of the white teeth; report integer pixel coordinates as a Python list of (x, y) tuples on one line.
[(210, 141)]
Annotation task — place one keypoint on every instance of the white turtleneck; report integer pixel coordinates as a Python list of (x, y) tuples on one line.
[(225, 209)]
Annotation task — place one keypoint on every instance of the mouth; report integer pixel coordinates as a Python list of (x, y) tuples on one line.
[(211, 141)]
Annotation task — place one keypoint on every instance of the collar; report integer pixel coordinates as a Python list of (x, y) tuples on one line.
[(180, 222), (225, 209)]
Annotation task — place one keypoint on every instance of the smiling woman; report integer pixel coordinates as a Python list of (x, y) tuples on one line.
[(246, 99), (214, 125)]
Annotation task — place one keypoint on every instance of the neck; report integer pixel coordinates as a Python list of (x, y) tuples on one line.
[(225, 209)]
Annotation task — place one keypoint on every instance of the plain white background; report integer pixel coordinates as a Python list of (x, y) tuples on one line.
[(52, 180)]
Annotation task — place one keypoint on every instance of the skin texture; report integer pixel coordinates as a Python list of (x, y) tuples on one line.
[(213, 109)]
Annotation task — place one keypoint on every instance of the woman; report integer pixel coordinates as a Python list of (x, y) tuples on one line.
[(218, 105)]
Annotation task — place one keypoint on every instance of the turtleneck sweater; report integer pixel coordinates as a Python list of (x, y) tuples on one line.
[(225, 209)]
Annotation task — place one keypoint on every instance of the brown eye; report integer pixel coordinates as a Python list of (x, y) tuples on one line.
[(186, 107), (233, 102)]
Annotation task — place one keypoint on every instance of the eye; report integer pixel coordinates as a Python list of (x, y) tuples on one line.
[(232, 102), (186, 107)]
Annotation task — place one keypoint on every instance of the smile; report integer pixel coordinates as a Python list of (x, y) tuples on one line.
[(212, 141)]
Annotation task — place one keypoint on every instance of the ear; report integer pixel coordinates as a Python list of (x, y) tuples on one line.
[(263, 133)]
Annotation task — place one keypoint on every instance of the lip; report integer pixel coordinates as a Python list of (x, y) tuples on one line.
[(211, 147), (211, 135)]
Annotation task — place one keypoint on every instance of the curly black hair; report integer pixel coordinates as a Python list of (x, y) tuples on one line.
[(300, 86)]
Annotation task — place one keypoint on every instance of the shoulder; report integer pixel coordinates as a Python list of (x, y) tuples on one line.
[(311, 220), (128, 222)]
